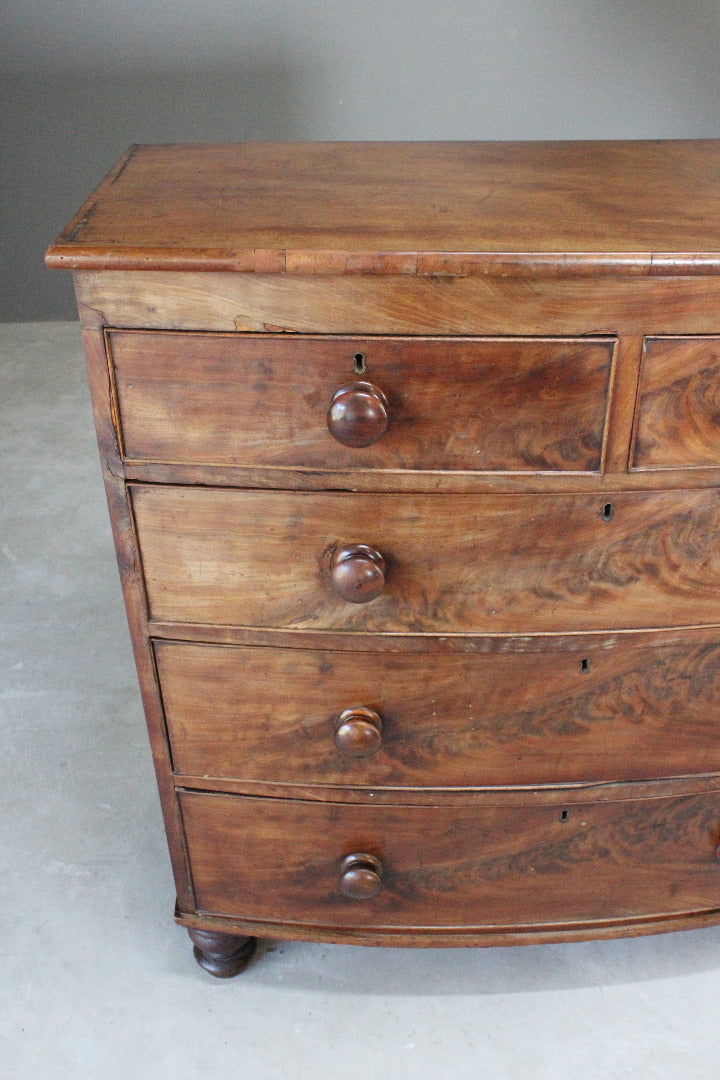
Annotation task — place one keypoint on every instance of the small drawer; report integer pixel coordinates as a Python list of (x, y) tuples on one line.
[(439, 564), (426, 720), (678, 418), (339, 865), (490, 404)]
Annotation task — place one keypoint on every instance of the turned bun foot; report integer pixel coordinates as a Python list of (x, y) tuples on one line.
[(223, 955)]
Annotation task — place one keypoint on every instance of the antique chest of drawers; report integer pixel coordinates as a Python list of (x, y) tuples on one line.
[(412, 455)]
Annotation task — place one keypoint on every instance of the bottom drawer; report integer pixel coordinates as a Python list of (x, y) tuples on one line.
[(452, 867)]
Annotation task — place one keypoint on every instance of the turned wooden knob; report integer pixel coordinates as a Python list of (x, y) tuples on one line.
[(358, 414), (358, 573), (360, 876), (358, 732)]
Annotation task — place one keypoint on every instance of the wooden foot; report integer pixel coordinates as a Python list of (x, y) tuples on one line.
[(223, 955)]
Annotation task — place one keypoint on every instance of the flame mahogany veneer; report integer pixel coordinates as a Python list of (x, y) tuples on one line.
[(412, 455)]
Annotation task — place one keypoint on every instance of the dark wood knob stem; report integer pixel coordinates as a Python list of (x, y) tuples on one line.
[(358, 732), (360, 876), (358, 573), (358, 414)]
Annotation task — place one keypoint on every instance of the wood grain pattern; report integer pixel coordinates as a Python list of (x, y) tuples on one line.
[(509, 797), (457, 936), (268, 303), (618, 439), (278, 478), (135, 606), (499, 404), (411, 208), (678, 419), (530, 702), (455, 564), (450, 867), (269, 714), (578, 642)]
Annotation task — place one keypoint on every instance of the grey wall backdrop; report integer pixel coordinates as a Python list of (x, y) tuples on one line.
[(81, 80)]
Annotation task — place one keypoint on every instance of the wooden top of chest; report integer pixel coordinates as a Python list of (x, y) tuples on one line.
[(427, 208)]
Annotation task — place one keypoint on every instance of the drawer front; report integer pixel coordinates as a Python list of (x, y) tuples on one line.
[(678, 421), (445, 867), (423, 720), (452, 404), (453, 563)]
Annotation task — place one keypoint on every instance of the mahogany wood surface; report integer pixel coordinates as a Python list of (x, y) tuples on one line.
[(517, 404), (581, 642), (430, 797), (678, 420), (454, 937), (626, 713), (513, 736), (425, 481), (354, 304), (282, 860), (135, 606), (413, 208), (455, 563)]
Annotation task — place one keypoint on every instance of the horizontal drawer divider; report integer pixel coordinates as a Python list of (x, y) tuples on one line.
[(448, 481), (359, 641), (548, 795)]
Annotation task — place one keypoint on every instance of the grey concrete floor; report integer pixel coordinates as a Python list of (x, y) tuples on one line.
[(96, 981)]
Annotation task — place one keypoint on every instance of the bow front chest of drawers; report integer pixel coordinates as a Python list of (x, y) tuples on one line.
[(412, 455)]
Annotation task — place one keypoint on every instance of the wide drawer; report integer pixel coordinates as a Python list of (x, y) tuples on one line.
[(678, 416), (457, 720), (282, 861), (520, 404), (454, 563)]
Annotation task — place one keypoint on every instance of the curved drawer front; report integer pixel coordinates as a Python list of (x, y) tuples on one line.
[(453, 563), (520, 404), (472, 720), (444, 867)]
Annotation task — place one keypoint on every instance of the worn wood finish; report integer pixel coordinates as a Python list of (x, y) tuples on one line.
[(628, 357), (391, 480), (512, 738), (678, 422), (136, 606), (491, 564), (428, 797), (473, 868), (410, 208), (629, 713), (581, 642), (397, 305), (502, 404), (456, 937)]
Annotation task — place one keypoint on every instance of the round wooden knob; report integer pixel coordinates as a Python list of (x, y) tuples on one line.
[(358, 573), (360, 876), (358, 732), (358, 414)]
